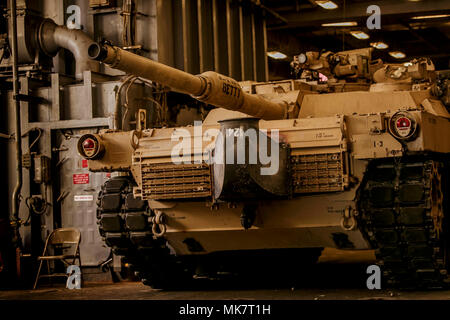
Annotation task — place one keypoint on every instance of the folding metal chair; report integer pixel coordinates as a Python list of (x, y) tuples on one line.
[(64, 239)]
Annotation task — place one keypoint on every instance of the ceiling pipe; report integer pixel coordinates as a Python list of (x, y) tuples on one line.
[(270, 11)]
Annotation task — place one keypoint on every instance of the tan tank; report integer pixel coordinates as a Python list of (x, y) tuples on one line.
[(353, 164)]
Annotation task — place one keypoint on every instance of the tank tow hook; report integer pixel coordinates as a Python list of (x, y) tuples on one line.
[(348, 220), (159, 224)]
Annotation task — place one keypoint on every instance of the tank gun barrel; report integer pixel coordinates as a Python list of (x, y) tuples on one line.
[(208, 87)]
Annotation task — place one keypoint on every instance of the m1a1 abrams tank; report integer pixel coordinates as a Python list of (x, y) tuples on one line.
[(357, 162)]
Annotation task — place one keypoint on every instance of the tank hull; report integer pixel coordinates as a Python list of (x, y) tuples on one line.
[(308, 217), (305, 222)]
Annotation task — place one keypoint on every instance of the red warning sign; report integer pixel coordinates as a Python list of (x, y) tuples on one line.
[(82, 178), (84, 163)]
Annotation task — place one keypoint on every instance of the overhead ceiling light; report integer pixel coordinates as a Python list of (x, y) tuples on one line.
[(436, 16), (397, 54), (379, 45), (329, 5), (276, 55), (340, 24), (359, 35)]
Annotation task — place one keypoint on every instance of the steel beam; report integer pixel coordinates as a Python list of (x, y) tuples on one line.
[(359, 10)]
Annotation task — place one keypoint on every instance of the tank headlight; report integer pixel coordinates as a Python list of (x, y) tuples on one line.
[(403, 126), (90, 146), (302, 58)]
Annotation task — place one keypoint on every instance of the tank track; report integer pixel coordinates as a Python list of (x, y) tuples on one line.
[(124, 224), (401, 204)]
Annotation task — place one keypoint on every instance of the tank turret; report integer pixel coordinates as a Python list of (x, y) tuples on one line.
[(209, 87)]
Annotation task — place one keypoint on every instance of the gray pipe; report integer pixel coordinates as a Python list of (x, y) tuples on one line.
[(18, 187), (53, 37)]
